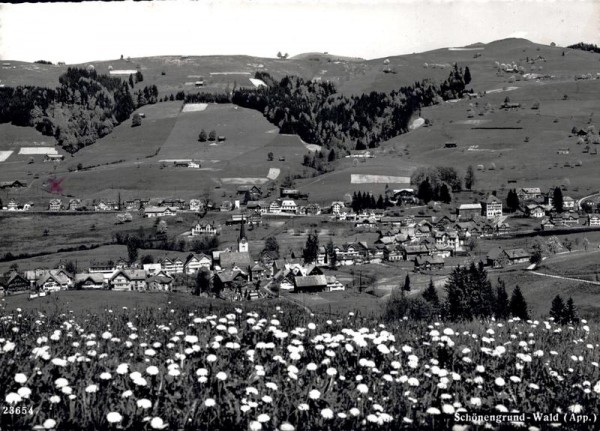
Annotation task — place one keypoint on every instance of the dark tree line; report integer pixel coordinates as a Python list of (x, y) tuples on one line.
[(86, 106), (363, 201), (319, 115), (585, 47)]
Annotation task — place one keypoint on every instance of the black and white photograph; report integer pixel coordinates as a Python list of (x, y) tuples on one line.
[(300, 215)]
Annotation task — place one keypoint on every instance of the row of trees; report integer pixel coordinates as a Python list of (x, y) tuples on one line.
[(363, 201), (469, 295), (440, 193), (319, 115)]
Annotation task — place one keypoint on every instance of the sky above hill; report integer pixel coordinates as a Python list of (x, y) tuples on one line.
[(84, 32)]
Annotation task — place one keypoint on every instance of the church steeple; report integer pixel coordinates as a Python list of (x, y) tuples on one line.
[(242, 240)]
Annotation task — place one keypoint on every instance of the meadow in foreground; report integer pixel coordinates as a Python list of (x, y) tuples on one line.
[(284, 370)]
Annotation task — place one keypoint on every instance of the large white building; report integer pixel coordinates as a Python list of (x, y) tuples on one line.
[(491, 207)]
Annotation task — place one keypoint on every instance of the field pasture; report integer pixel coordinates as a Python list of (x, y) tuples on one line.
[(511, 148), (125, 382), (4, 155)]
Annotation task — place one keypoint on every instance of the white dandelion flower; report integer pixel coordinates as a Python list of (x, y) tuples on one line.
[(49, 424), (144, 403), (114, 417), (327, 413)]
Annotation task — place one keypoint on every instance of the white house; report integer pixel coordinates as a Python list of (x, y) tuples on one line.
[(336, 207), (152, 212), (275, 207), (195, 204), (568, 203), (172, 266), (204, 229), (594, 219), (289, 206), (128, 279), (195, 262), (492, 207)]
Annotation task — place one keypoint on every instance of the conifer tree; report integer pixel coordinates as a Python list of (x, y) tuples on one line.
[(430, 294), (557, 309), (501, 306), (570, 314), (406, 286), (518, 305)]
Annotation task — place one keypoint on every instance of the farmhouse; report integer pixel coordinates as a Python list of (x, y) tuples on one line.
[(54, 279), (312, 209), (171, 266), (288, 206), (152, 268), (54, 158), (12, 184), (528, 193), (593, 220), (275, 207), (178, 204), (89, 281), (469, 211), (249, 193), (12, 205), (231, 279), (204, 229), (226, 206), (195, 262), (361, 154), (128, 279), (517, 255), (568, 203), (547, 224), (152, 212), (161, 282), (536, 211), (260, 207), (496, 257), (428, 263), (292, 194), (411, 251), (334, 284), (74, 204), (106, 206), (492, 207), (310, 283), (196, 205), (14, 282), (337, 206), (55, 205)]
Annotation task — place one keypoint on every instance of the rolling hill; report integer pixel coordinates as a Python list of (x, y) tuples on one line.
[(517, 147)]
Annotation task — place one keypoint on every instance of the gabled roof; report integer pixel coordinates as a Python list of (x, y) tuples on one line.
[(491, 199), (239, 259), (228, 276), (94, 277), (469, 207), (130, 274), (517, 253), (310, 280), (197, 257), (162, 279)]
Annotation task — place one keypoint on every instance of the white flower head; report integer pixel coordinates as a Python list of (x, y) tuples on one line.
[(49, 424), (114, 417)]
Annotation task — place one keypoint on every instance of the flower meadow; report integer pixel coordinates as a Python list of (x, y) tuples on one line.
[(284, 369)]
